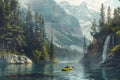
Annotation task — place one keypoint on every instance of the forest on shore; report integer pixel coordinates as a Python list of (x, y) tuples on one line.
[(23, 33)]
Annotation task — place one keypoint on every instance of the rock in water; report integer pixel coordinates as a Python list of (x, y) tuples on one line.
[(14, 59)]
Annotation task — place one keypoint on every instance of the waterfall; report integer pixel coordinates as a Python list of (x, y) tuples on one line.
[(105, 48)]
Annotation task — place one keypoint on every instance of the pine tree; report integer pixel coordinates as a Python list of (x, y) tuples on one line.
[(93, 27), (109, 19), (102, 17), (46, 56), (2, 22), (43, 29), (28, 28), (37, 32), (37, 55), (116, 19), (39, 41), (17, 25), (11, 32), (52, 56)]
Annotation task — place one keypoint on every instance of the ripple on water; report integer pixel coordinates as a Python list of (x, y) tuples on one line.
[(53, 72)]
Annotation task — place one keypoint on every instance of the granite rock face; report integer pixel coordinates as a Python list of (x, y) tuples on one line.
[(14, 59)]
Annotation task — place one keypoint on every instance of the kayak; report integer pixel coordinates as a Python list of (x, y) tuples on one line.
[(67, 69)]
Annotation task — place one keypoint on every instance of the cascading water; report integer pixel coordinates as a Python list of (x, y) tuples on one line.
[(105, 48)]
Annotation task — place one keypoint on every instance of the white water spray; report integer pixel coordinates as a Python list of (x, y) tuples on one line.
[(105, 48)]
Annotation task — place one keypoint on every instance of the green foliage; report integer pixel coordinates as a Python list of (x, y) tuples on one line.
[(46, 56), (115, 24), (102, 17), (55, 60), (6, 53), (93, 28), (118, 33), (114, 49), (22, 33), (109, 19), (10, 32), (37, 55), (112, 25)]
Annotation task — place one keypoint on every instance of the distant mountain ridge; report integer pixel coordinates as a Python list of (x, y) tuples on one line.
[(66, 30), (84, 13), (87, 11), (81, 12)]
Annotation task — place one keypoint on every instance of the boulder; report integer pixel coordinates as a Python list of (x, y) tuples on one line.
[(14, 59)]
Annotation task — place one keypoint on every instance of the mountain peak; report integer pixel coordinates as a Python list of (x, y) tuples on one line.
[(83, 4), (65, 3)]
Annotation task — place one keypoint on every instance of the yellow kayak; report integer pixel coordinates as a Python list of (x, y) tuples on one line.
[(67, 69)]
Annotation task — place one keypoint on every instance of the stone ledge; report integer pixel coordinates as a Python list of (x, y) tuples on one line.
[(14, 59)]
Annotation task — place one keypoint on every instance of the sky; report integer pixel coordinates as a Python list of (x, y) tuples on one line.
[(96, 4)]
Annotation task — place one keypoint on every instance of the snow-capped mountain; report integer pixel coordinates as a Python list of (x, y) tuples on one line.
[(81, 12), (94, 4), (84, 13), (66, 29), (87, 11)]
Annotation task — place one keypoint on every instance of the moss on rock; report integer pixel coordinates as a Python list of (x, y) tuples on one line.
[(114, 49)]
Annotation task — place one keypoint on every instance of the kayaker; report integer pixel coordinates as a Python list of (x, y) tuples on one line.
[(67, 66)]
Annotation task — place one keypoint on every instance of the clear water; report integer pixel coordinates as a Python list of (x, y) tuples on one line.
[(53, 72)]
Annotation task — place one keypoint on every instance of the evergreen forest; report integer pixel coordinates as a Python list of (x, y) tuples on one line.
[(23, 34)]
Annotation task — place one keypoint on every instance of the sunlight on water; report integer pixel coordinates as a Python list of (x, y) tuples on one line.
[(53, 72)]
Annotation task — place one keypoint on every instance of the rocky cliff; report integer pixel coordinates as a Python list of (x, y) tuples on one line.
[(102, 51), (113, 57)]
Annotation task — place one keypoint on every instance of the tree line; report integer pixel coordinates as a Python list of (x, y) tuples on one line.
[(22, 33), (110, 23)]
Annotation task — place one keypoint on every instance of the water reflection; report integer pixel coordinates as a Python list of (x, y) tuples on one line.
[(26, 72), (46, 69), (53, 72), (14, 69), (101, 74)]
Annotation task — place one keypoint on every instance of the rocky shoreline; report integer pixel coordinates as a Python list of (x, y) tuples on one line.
[(14, 59)]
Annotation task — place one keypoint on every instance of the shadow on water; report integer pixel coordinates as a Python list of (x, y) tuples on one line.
[(26, 72), (101, 73), (53, 72)]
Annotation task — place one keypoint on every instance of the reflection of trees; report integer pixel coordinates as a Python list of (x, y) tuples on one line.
[(2, 70), (101, 74), (17, 69), (46, 70), (27, 72), (14, 69)]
